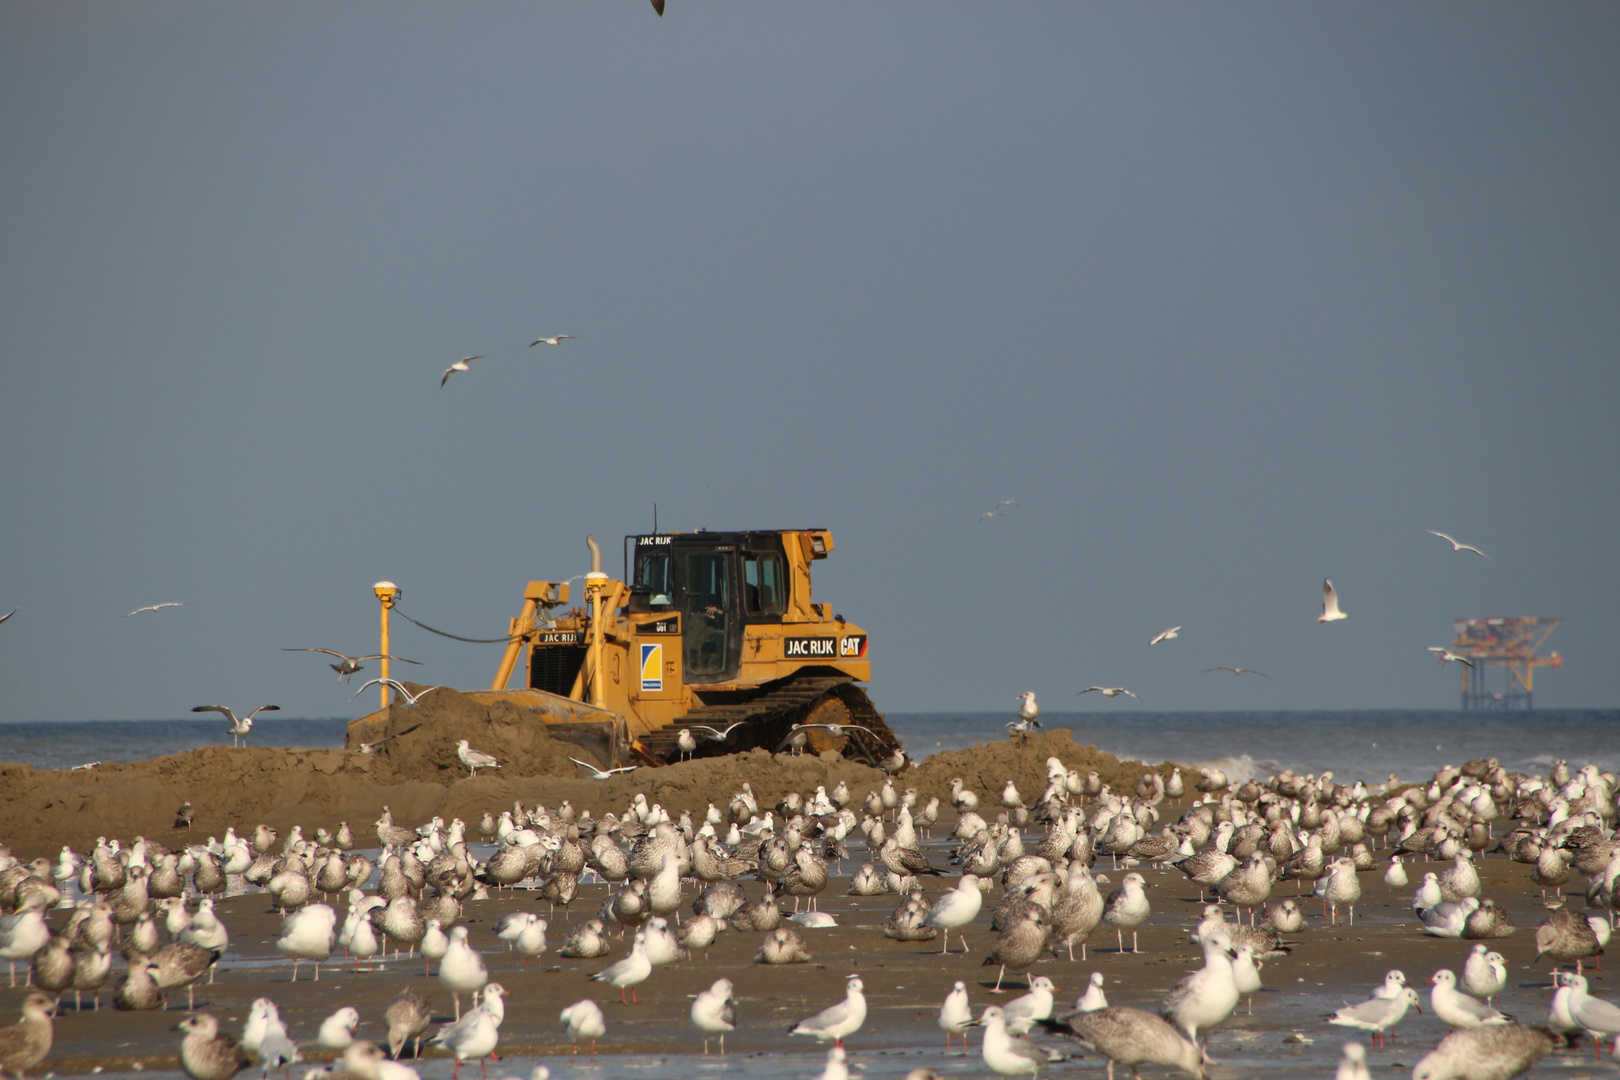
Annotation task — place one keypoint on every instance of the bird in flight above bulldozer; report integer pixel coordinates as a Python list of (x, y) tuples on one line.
[(797, 738), (603, 774), (350, 664), (715, 734), (410, 698)]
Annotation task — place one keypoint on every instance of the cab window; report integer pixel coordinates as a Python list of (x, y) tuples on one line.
[(652, 574), (762, 585)]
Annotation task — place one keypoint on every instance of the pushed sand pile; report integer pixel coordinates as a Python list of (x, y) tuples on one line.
[(418, 776)]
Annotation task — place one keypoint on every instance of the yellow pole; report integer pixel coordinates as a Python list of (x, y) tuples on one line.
[(595, 582), (387, 592)]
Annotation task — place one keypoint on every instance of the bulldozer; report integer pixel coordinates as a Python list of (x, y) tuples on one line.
[(715, 633)]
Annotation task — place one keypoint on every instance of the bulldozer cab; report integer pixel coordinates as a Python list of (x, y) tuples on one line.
[(717, 584)]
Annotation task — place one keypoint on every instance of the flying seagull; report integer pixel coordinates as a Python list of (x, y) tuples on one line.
[(556, 339), (1330, 604), (155, 607), (715, 734), (1109, 691), (410, 699), (1169, 635), (371, 747), (240, 726), (603, 774), (1446, 656), (1238, 671), (1457, 545), (8, 614), (459, 365), (351, 664)]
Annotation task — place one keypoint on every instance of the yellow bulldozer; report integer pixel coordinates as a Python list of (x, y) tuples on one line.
[(715, 633)]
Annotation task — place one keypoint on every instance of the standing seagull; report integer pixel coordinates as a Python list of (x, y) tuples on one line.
[(1457, 546), (240, 726), (150, 607), (836, 1021), (1169, 635), (1330, 604), (714, 1012), (351, 664), (555, 339), (459, 365), (474, 759)]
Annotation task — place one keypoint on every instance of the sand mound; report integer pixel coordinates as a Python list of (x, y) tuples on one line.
[(419, 776), (424, 737)]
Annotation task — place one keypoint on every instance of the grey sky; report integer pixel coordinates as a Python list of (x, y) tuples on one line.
[(1229, 297)]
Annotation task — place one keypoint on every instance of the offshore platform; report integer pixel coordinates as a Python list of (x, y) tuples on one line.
[(1507, 645)]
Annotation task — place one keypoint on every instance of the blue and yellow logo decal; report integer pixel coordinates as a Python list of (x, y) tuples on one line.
[(652, 667)]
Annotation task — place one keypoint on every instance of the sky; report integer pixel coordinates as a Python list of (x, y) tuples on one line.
[(1228, 298)]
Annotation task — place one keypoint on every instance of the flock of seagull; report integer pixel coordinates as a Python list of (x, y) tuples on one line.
[(1331, 612), (1236, 841), (464, 363)]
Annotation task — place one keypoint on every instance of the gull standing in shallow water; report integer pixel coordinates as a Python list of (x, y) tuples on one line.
[(714, 1012), (1001, 1050), (956, 909), (836, 1021), (1458, 1009), (956, 1016), (583, 1020)]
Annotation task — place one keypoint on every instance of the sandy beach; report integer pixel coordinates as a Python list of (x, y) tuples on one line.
[(905, 981)]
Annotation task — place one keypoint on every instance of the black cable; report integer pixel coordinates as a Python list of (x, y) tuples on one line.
[(457, 637)]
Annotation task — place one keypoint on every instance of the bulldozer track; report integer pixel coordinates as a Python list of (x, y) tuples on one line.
[(769, 715)]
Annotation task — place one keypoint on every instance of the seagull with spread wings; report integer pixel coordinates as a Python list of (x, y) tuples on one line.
[(155, 607), (459, 365), (351, 664), (1457, 545), (555, 339), (1444, 655), (1169, 635), (410, 698), (603, 774), (1109, 691), (715, 734), (240, 725), (1238, 671)]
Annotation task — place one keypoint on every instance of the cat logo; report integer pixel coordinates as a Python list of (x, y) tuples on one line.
[(652, 667), (852, 646)]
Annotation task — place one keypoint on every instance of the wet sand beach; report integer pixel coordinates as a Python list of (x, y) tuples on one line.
[(1329, 966)]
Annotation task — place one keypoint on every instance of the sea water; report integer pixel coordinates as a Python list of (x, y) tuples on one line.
[(1355, 745)]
